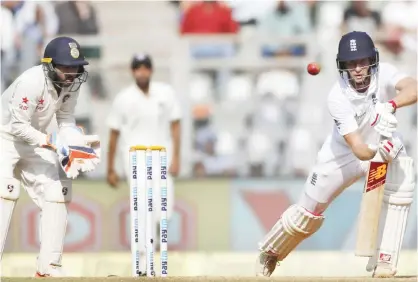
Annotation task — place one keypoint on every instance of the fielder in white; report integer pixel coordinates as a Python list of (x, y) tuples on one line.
[(362, 103), (146, 113), (44, 164)]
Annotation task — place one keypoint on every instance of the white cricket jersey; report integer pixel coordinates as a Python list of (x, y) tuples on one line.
[(353, 111), (145, 119), (29, 104)]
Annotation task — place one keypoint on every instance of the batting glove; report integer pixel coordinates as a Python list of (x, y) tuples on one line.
[(385, 121), (389, 149)]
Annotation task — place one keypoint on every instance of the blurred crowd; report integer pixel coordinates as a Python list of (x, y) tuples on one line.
[(252, 143), (28, 25), (273, 18), (261, 147)]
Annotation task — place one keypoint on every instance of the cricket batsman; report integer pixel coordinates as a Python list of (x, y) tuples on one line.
[(32, 159), (363, 103)]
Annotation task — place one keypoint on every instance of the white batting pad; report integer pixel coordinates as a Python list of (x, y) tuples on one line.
[(9, 194), (6, 213), (295, 225), (53, 224), (397, 199)]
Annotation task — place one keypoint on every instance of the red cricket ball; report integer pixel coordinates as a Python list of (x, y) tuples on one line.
[(313, 68)]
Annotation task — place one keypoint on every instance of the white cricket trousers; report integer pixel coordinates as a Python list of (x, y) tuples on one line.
[(33, 166)]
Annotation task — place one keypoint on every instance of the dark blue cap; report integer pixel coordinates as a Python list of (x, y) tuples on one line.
[(64, 51), (355, 45)]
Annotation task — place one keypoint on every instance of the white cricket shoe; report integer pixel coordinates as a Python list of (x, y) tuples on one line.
[(384, 271), (380, 270), (266, 264), (53, 271)]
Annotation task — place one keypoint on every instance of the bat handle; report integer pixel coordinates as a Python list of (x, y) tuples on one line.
[(381, 138)]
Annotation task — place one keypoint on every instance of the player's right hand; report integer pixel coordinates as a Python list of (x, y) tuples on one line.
[(112, 178), (384, 121), (389, 149)]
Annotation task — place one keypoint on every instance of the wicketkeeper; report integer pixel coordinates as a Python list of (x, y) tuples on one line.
[(32, 159)]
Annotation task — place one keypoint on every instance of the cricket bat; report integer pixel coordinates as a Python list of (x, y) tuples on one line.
[(371, 205)]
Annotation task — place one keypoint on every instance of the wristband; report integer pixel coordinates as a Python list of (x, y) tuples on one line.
[(394, 106)]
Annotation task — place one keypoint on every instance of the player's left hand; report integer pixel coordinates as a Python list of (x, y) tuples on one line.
[(389, 149), (175, 167), (384, 121)]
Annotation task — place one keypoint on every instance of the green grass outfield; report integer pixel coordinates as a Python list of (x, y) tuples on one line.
[(215, 279)]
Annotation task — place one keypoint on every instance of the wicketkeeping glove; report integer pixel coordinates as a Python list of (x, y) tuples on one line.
[(93, 142), (54, 142), (384, 121), (83, 151), (78, 159)]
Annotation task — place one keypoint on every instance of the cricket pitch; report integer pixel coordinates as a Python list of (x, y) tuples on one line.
[(215, 279)]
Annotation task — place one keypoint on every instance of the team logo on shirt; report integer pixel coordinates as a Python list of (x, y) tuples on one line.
[(314, 178), (337, 123), (359, 117), (374, 99), (66, 97), (24, 104), (40, 105)]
